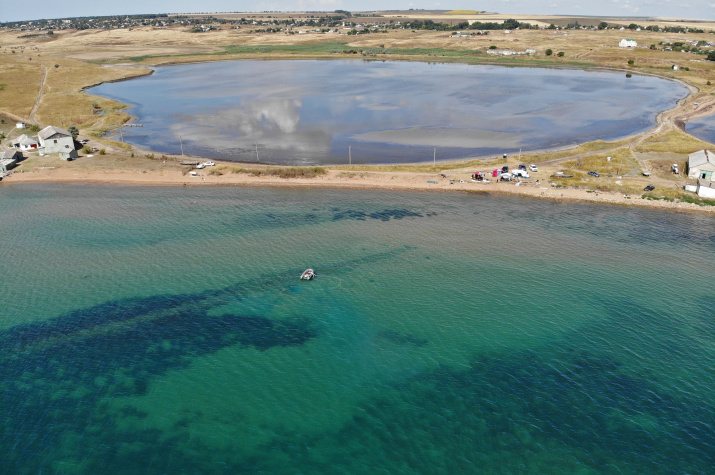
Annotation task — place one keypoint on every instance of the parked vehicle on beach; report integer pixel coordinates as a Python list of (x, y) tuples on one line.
[(201, 165), (674, 168), (649, 188), (596, 174), (522, 167), (505, 169), (533, 168), (209, 164)]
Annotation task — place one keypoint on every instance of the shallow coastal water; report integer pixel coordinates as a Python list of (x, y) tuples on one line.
[(164, 330), (341, 111)]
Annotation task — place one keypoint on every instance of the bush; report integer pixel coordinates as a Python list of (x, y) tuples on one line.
[(86, 150), (549, 52), (293, 172), (630, 62), (561, 54), (102, 151)]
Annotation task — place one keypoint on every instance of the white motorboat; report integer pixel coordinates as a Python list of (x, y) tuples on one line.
[(307, 274)]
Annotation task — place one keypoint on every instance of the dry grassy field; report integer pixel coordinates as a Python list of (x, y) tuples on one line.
[(43, 78)]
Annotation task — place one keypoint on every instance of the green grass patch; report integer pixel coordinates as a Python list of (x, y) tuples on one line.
[(698, 201), (306, 48), (682, 197), (292, 172), (139, 59)]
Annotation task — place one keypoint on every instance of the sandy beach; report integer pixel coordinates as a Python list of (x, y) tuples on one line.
[(174, 175)]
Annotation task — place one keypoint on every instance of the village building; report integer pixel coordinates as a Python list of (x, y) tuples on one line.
[(701, 166), (25, 142), (55, 140), (628, 43), (71, 155), (8, 159)]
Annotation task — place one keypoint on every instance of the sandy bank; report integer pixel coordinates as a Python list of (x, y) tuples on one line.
[(174, 176)]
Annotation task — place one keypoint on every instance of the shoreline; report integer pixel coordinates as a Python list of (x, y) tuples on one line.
[(337, 179)]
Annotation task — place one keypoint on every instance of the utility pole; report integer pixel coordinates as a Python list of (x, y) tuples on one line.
[(350, 154), (257, 153), (435, 156), (619, 167), (182, 146)]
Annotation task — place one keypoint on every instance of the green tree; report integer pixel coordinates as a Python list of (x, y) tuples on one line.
[(630, 62), (603, 25), (74, 131), (711, 55), (561, 54), (549, 52)]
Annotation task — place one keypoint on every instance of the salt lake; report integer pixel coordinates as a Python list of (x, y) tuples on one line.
[(340, 111)]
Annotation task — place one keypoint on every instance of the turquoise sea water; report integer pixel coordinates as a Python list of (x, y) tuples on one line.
[(164, 330)]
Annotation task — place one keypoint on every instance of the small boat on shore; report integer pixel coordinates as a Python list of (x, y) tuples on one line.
[(307, 274)]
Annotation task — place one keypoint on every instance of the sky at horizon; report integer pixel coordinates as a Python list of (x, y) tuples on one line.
[(46, 9)]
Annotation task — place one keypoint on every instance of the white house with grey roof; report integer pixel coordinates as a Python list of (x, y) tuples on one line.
[(628, 43), (701, 166), (55, 140), (25, 142)]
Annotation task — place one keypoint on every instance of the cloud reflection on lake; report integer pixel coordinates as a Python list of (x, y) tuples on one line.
[(312, 112)]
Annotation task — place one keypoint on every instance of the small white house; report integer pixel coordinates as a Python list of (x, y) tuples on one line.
[(705, 189), (55, 140), (628, 43), (25, 142), (20, 125), (701, 165)]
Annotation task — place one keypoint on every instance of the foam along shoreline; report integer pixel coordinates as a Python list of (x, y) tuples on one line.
[(336, 178)]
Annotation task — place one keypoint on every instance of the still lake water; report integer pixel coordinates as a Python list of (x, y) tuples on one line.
[(324, 112), (703, 128), (164, 330)]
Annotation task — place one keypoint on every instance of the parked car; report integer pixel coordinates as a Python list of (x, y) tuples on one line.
[(596, 174), (522, 167), (674, 168), (209, 164), (505, 169), (649, 188), (533, 168), (201, 165), (522, 173)]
